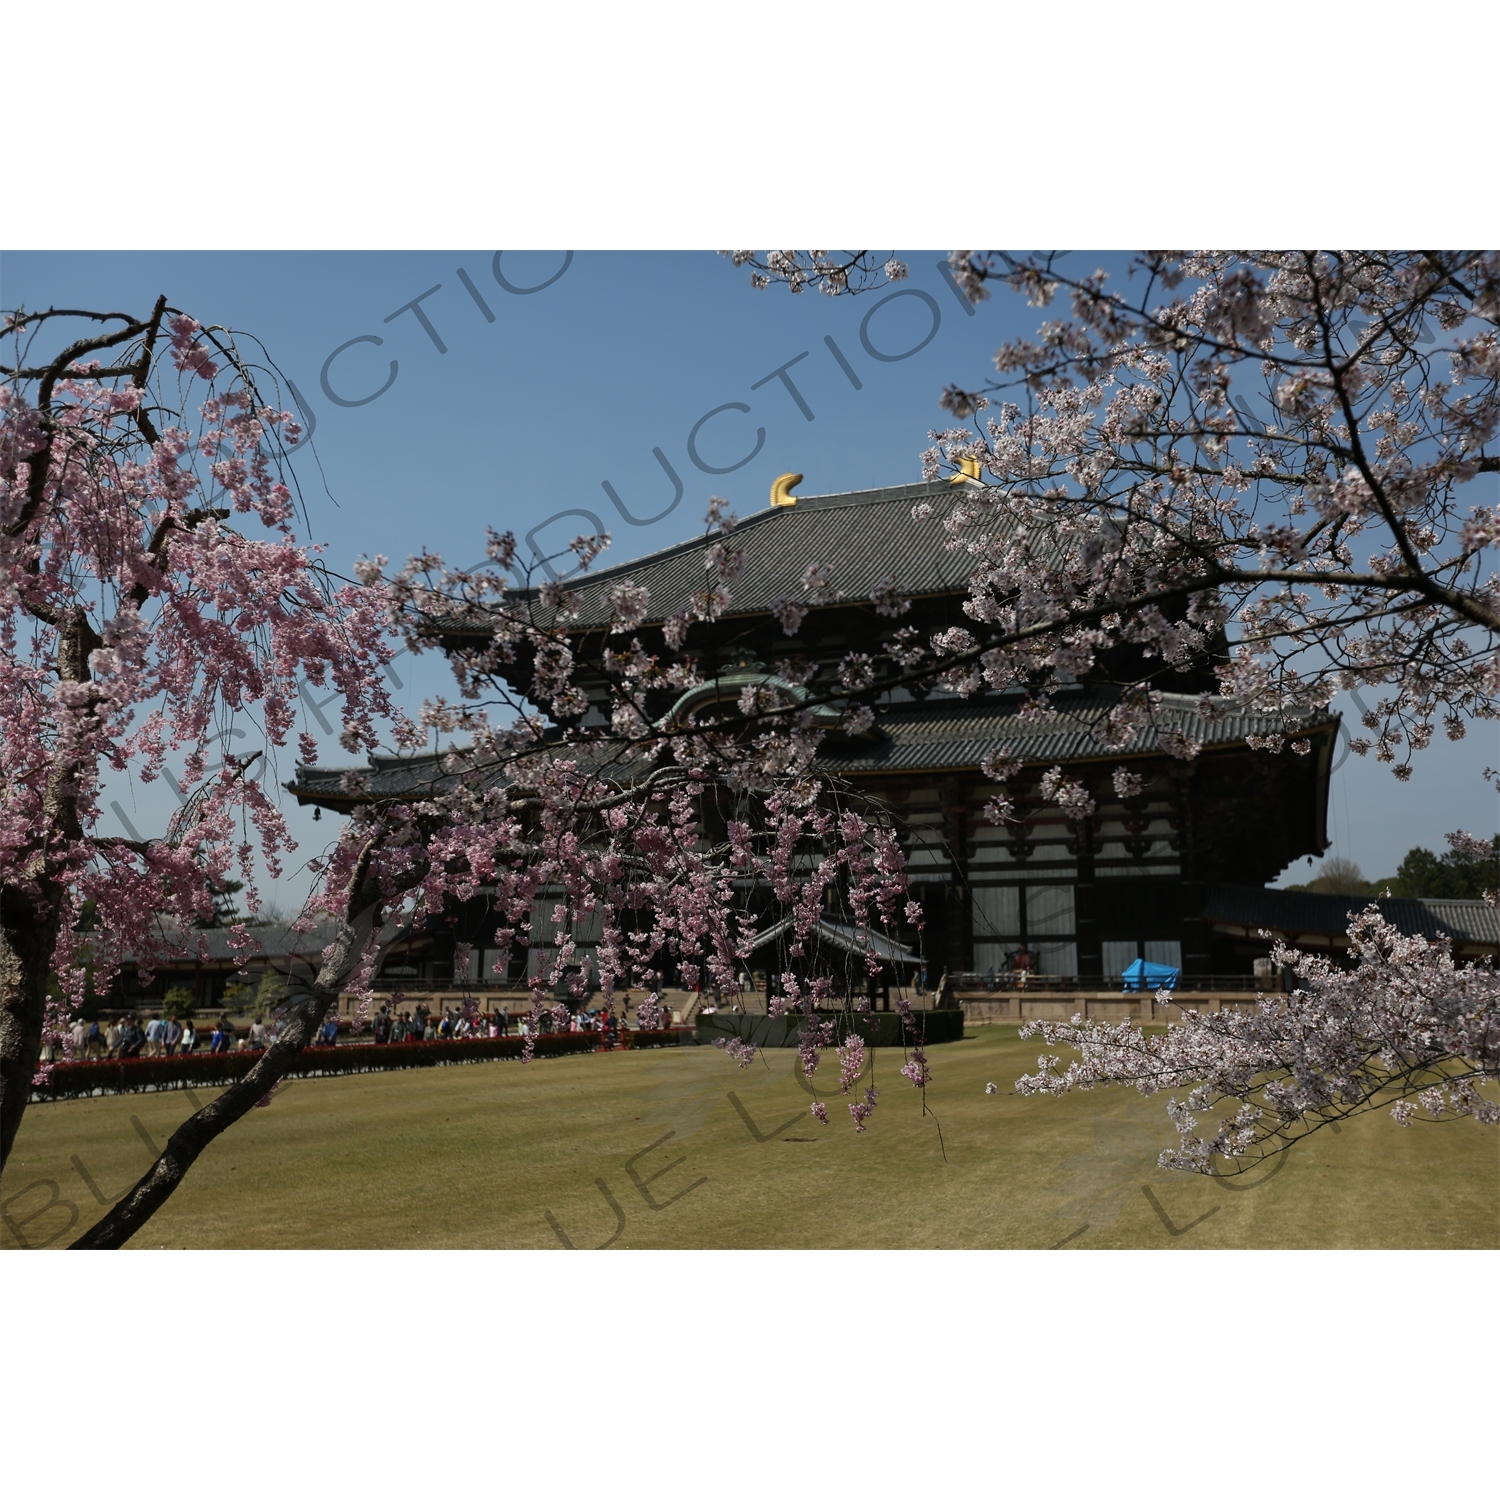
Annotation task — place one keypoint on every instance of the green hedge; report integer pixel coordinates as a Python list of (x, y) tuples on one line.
[(134, 1075), (668, 1036)]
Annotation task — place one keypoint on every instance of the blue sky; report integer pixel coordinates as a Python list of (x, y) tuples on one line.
[(568, 387), (531, 410)]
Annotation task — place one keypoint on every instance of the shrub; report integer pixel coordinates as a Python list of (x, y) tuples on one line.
[(238, 998), (179, 1003), (271, 993), (666, 1037)]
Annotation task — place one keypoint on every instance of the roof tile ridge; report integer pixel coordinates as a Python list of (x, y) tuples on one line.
[(885, 494), (378, 761), (703, 539)]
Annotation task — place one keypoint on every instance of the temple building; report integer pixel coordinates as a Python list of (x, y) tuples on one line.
[(1086, 897), (1151, 876)]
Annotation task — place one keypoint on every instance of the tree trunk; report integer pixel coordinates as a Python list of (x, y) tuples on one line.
[(26, 944), (305, 1014)]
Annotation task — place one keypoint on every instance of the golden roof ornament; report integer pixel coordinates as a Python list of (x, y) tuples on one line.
[(781, 489)]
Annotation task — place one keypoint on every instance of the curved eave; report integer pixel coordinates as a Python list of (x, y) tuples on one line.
[(339, 802), (478, 635), (345, 802), (1324, 785)]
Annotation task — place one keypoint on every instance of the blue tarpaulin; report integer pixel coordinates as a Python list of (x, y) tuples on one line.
[(1147, 976)]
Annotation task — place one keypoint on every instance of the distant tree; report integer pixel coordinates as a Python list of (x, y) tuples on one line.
[(225, 911), (238, 998), (1338, 877), (1454, 876)]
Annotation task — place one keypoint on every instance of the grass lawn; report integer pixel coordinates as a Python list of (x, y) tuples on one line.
[(681, 1149)]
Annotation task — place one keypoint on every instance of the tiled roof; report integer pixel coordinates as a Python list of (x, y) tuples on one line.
[(424, 775), (939, 733), (213, 945), (865, 537), (949, 732), (1287, 913), (846, 937), (385, 776)]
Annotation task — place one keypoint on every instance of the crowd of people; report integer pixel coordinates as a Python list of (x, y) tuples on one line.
[(167, 1036), (424, 1025), (160, 1036)]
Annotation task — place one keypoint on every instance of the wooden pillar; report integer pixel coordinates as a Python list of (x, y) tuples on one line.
[(1193, 891), (1085, 905), (959, 935)]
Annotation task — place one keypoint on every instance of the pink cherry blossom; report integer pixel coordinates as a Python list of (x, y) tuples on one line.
[(152, 597), (1404, 1022)]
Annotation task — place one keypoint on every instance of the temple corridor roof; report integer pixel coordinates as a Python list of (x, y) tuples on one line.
[(1293, 915)]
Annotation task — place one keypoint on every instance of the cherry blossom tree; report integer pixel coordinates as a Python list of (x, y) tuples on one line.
[(156, 596), (1278, 440), (153, 596), (1401, 1025), (830, 272), (1274, 464)]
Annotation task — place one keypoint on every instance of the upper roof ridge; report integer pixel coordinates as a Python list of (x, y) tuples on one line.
[(885, 494)]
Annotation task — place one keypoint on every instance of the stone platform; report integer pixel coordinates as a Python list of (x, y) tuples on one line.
[(879, 1028), (1019, 1006)]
